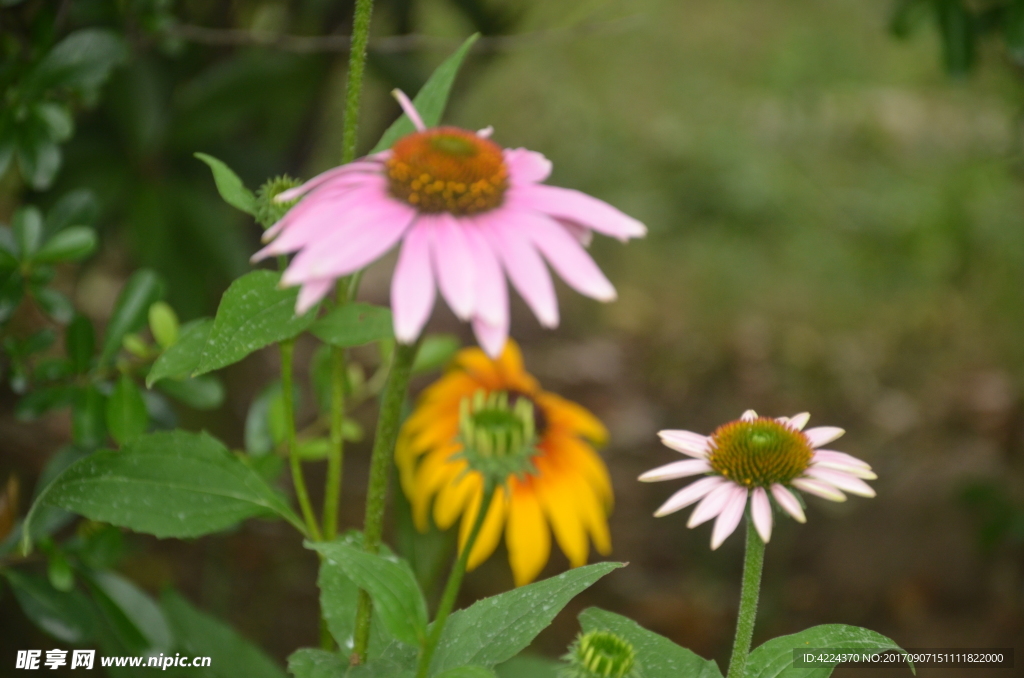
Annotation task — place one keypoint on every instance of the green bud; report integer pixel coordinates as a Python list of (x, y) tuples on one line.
[(163, 323), (269, 211), (600, 654), (499, 437), (135, 345)]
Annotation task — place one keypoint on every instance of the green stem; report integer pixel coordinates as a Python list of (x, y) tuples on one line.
[(753, 562), (356, 68), (451, 589), (336, 454), (287, 352), (380, 468)]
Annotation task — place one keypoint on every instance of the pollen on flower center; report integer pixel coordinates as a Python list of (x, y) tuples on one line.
[(447, 169), (759, 453)]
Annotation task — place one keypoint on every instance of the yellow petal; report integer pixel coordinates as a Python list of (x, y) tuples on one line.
[(490, 531), (566, 414), (527, 536), (558, 501), (435, 472), (580, 456), (593, 516), (452, 499)]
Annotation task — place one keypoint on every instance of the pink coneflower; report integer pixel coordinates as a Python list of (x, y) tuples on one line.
[(467, 213), (756, 457)]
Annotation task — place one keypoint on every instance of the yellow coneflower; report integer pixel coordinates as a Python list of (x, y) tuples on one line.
[(568, 486)]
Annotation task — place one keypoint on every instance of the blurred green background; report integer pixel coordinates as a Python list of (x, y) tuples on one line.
[(836, 225)]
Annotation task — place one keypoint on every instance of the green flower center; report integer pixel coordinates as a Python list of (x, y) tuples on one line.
[(601, 654), (759, 453), (498, 433)]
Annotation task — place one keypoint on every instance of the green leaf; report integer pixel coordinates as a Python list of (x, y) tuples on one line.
[(163, 324), (259, 439), (182, 358), (200, 393), (133, 611), (80, 342), (435, 352), (254, 312), (201, 635), (139, 293), (467, 672), (42, 400), (59, 572), (310, 663), (66, 616), (168, 484), (431, 100), (57, 119), (55, 304), (88, 418), (75, 208), (957, 28), (397, 598), (39, 158), (496, 629), (774, 659), (658, 657), (27, 225), (529, 666), (71, 244), (81, 61), (229, 185), (127, 418), (354, 325)]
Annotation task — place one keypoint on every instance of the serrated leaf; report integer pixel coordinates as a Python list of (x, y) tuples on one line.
[(143, 289), (71, 244), (230, 187), (254, 312), (182, 358), (774, 659), (168, 484), (657, 656), (397, 599), (127, 417), (496, 629), (309, 663), (354, 325), (66, 616), (201, 635), (432, 98)]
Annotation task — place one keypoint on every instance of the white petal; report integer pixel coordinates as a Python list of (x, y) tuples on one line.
[(749, 415), (788, 502), (677, 469), (688, 495), (856, 471), (761, 512), (841, 457), (819, 488), (823, 434), (730, 517), (798, 421), (687, 442), (711, 505), (843, 481)]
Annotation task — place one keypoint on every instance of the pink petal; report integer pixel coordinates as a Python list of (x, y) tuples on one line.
[(412, 288), (492, 338), (761, 512), (840, 457), (526, 166), (788, 502), (357, 167), (582, 234), (856, 471), (689, 494), (310, 293), (823, 434), (749, 415), (677, 469), (819, 488), (566, 256), (687, 442), (453, 261), (491, 291), (730, 517), (578, 207), (523, 265), (843, 481), (711, 505), (799, 421)]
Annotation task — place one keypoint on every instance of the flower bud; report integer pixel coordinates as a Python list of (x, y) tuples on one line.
[(498, 435), (600, 654), (268, 211)]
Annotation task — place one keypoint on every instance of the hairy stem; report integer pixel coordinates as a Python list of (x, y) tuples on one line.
[(451, 589), (287, 353), (380, 468), (753, 562), (354, 87)]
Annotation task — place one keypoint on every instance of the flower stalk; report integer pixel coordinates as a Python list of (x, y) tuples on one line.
[(354, 87), (753, 563), (451, 589), (287, 354)]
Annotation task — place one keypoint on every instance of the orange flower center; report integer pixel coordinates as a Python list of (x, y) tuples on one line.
[(759, 453), (447, 169)]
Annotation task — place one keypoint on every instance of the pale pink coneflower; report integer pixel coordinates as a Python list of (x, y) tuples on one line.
[(467, 213), (759, 458)]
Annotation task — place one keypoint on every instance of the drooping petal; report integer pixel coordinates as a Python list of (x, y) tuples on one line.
[(798, 421), (711, 505), (856, 471), (561, 513), (677, 469), (356, 167), (566, 256), (823, 434), (526, 166), (840, 457), (490, 531), (311, 293), (525, 268), (453, 262), (819, 488), (729, 517), (527, 537), (761, 512), (749, 415), (412, 288), (689, 494), (490, 337), (687, 442), (788, 502), (844, 481), (491, 290), (578, 207)]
